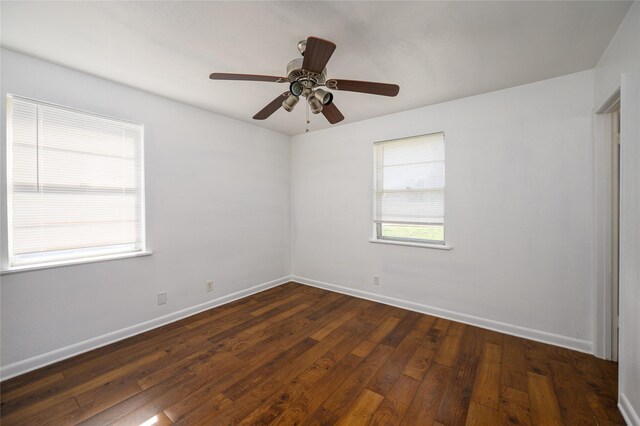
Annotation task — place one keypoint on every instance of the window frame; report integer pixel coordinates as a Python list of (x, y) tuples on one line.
[(9, 264), (378, 237)]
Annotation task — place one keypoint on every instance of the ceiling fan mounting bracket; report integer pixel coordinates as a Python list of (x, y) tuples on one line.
[(302, 46)]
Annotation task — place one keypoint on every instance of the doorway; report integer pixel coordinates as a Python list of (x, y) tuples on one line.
[(615, 230), (607, 173)]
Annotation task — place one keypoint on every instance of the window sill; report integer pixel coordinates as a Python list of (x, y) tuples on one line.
[(47, 265), (410, 244)]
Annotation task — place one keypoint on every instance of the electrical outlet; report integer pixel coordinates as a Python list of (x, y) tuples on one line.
[(162, 298), (376, 280), (209, 285)]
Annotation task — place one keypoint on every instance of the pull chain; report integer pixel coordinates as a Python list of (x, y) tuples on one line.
[(307, 129)]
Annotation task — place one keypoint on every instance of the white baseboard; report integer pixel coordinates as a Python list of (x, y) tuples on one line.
[(630, 415), (38, 361), (528, 333)]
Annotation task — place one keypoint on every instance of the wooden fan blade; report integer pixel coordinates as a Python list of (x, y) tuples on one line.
[(332, 113), (317, 54), (248, 77), (272, 107), (370, 87)]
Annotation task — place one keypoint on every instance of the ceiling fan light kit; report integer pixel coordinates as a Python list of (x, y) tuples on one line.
[(290, 102), (315, 105), (323, 96), (296, 88), (306, 77)]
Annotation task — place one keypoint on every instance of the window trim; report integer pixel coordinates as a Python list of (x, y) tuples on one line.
[(70, 262), (9, 264), (410, 242)]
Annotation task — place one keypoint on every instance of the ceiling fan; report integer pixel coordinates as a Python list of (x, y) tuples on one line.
[(306, 77)]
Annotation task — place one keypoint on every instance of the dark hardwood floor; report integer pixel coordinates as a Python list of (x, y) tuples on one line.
[(300, 355)]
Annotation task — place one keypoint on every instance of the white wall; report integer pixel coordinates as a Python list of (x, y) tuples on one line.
[(519, 215), (619, 67), (518, 211), (217, 195)]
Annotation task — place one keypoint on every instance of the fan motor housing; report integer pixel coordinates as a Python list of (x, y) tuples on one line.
[(296, 73)]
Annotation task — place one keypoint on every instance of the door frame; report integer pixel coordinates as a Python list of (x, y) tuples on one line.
[(603, 321)]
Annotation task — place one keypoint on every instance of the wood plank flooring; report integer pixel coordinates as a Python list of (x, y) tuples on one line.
[(296, 355)]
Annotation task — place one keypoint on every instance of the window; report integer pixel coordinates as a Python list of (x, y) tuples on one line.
[(74, 184), (409, 186)]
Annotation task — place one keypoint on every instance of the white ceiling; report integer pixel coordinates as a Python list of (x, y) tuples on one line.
[(435, 51)]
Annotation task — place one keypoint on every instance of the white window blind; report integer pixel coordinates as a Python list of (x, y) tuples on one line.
[(409, 181), (75, 184)]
